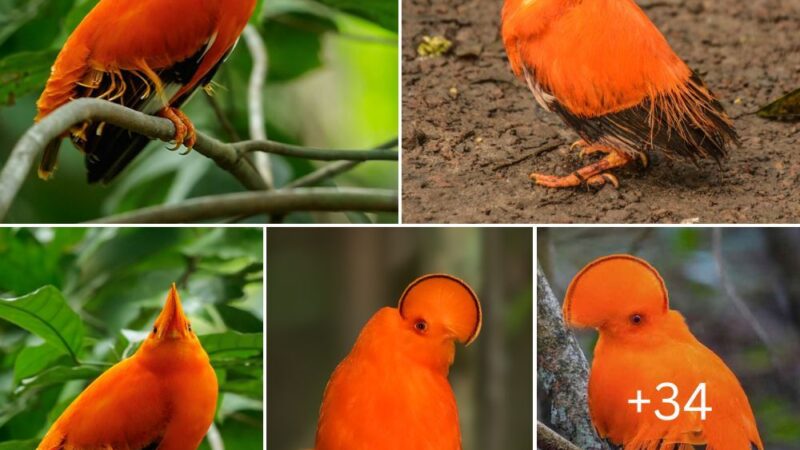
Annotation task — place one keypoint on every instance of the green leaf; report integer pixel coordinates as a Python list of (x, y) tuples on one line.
[(785, 109), (232, 343), (62, 374), (29, 444), (41, 30), (25, 262), (16, 15), (46, 314), (251, 388), (24, 73), (381, 12), (32, 360), (79, 10)]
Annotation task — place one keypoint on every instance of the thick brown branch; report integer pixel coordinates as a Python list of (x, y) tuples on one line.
[(272, 202), (563, 372)]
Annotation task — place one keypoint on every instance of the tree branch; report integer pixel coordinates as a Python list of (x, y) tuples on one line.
[(319, 154), (255, 98), (227, 156), (54, 125), (264, 202), (547, 439), (323, 173), (563, 372)]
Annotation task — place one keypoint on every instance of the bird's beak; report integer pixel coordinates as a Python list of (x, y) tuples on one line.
[(172, 322)]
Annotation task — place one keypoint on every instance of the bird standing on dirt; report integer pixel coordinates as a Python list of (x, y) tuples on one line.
[(148, 55), (611, 76), (653, 385), (163, 397), (391, 392)]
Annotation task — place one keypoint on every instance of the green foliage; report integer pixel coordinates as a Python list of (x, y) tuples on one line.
[(382, 12), (92, 294), (332, 82), (46, 314)]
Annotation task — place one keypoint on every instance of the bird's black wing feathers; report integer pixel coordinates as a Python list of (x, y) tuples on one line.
[(108, 148), (690, 124)]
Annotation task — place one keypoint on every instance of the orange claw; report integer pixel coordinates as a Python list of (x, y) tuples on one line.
[(592, 175), (185, 133)]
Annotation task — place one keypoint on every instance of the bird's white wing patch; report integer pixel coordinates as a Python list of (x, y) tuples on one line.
[(542, 97)]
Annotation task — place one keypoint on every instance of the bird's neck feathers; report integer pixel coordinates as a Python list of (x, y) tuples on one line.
[(390, 341), (166, 355)]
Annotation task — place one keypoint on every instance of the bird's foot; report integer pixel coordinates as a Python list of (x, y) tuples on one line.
[(594, 175), (185, 133)]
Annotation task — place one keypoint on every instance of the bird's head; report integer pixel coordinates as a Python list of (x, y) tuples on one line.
[(172, 325), (618, 295), (435, 311)]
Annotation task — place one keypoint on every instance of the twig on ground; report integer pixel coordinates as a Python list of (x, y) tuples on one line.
[(538, 152), (271, 202)]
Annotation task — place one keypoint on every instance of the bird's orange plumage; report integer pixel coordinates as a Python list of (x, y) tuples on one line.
[(611, 75), (146, 54), (391, 392), (642, 344), (164, 396)]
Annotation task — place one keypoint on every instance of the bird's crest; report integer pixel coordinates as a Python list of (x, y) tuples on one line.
[(612, 286), (447, 299)]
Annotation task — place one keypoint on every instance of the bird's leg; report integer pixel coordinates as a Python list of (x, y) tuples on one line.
[(594, 174), (184, 128), (589, 149)]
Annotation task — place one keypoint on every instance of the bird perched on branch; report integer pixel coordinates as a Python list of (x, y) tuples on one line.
[(611, 76), (391, 392), (148, 55), (646, 353), (163, 397)]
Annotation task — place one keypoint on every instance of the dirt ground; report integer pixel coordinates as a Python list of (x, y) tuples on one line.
[(471, 131)]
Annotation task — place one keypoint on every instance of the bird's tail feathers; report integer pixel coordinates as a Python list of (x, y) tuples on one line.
[(49, 162)]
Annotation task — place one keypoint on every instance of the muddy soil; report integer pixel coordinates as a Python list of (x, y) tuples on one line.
[(472, 133)]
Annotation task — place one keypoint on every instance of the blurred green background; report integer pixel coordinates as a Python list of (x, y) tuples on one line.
[(325, 284), (332, 83), (760, 267), (110, 284)]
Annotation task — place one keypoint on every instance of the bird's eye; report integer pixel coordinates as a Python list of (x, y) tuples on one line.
[(636, 319), (421, 326), (155, 330)]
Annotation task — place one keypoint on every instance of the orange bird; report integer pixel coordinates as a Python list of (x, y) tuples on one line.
[(148, 55), (391, 392), (163, 397), (611, 76), (644, 344)]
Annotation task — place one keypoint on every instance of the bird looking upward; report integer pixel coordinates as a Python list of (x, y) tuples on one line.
[(391, 392), (643, 346), (612, 77), (148, 55), (163, 397)]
